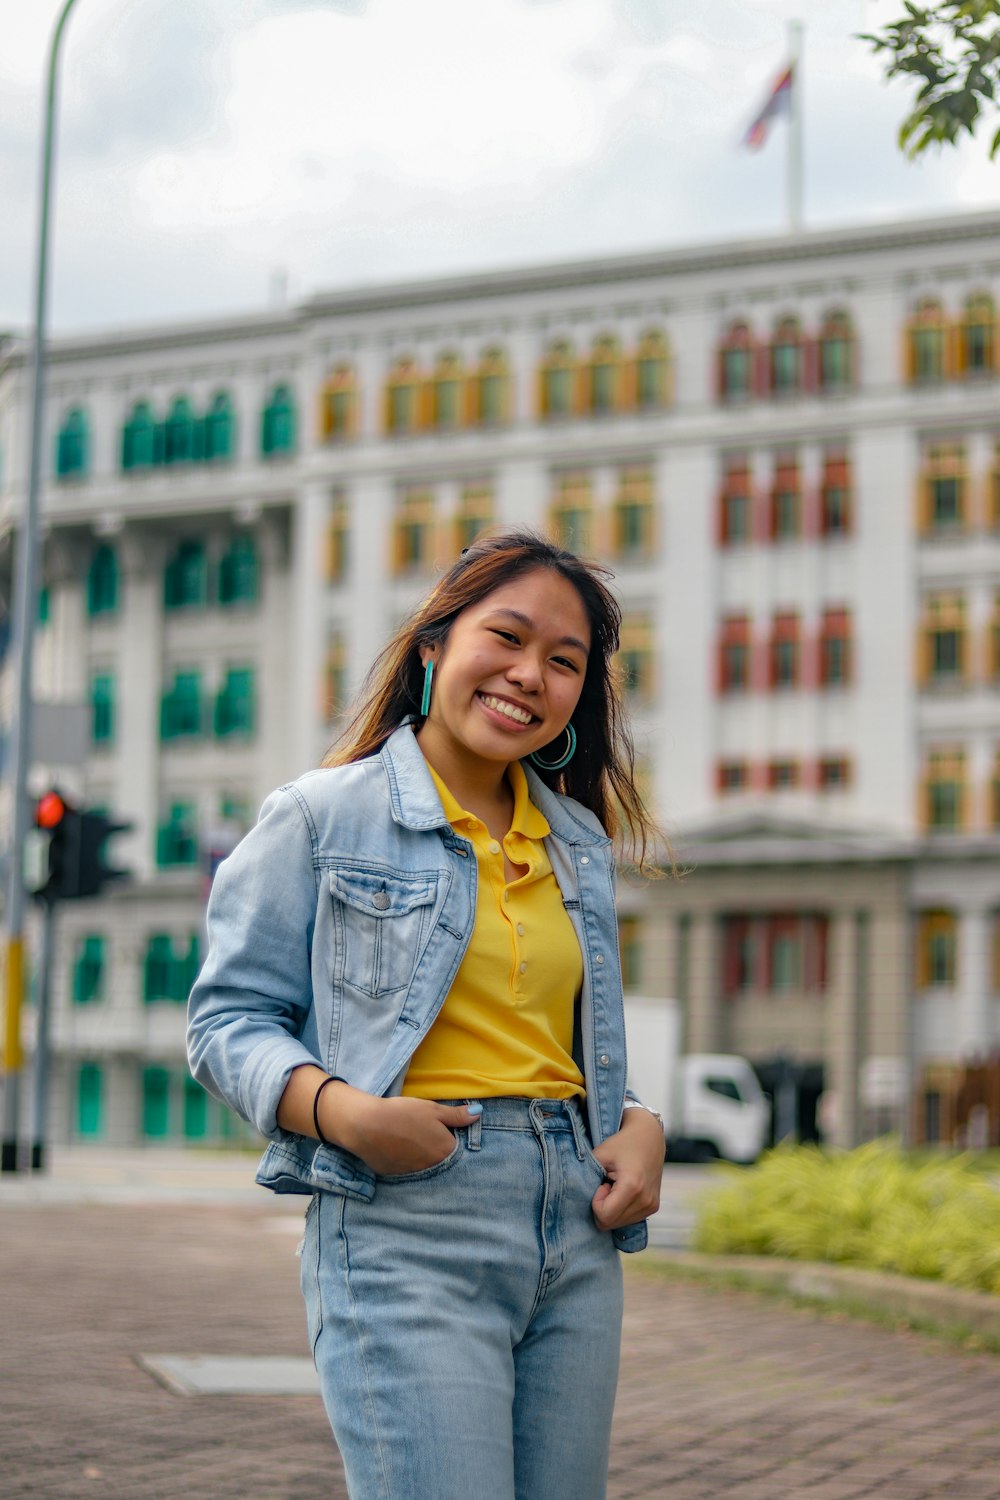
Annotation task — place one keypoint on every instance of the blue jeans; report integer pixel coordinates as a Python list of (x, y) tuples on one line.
[(466, 1322)]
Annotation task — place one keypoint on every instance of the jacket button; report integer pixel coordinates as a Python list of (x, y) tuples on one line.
[(380, 901), (599, 959), (585, 859), (604, 1059)]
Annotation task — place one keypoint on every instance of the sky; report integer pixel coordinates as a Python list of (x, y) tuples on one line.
[(214, 155)]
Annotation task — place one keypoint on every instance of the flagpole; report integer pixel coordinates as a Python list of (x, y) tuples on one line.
[(795, 129)]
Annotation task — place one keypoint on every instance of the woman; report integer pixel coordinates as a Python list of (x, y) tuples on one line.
[(412, 989)]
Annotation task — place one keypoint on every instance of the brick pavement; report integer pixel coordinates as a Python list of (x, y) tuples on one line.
[(722, 1392)]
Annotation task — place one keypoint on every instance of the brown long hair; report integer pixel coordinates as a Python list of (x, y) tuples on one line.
[(601, 774)]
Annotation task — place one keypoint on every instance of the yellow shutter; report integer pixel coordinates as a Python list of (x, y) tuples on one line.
[(909, 356)]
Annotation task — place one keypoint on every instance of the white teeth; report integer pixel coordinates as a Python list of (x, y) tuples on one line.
[(507, 709)]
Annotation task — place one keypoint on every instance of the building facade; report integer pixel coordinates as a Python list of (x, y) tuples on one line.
[(787, 450)]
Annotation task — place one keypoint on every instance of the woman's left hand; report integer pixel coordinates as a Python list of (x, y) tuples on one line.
[(633, 1160)]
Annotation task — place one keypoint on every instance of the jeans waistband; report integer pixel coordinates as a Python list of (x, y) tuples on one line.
[(536, 1116)]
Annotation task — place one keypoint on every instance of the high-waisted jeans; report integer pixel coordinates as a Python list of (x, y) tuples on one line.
[(466, 1322)]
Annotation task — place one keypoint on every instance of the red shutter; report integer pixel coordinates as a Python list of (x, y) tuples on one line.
[(761, 370), (810, 363)]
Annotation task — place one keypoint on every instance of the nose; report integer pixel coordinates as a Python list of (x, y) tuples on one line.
[(526, 672)]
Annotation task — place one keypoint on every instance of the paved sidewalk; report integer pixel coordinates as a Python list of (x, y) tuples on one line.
[(722, 1393)]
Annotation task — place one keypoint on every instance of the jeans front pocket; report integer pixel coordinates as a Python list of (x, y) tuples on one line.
[(426, 1173)]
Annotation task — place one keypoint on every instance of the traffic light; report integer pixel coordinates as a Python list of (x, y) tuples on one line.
[(75, 866)]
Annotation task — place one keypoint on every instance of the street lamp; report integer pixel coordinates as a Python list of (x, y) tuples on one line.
[(25, 611)]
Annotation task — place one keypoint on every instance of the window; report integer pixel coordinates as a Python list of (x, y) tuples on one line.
[(220, 429), (734, 655), (784, 954), (943, 637), (944, 790), (155, 1103), (183, 437), (339, 403), (736, 504), (44, 605), (736, 359), (835, 648), (937, 949), (334, 677), (170, 968), (185, 577), (785, 652), (557, 382), (277, 423), (403, 398), (177, 838), (632, 515), (337, 540), (72, 445), (942, 490), (652, 372), (732, 776), (90, 1100), (786, 500), (491, 390), (238, 572), (181, 715), (786, 365), (738, 955), (835, 494), (570, 513), (604, 383), (234, 705), (102, 582), (836, 353), (195, 1110), (474, 515), (993, 643), (142, 440), (635, 658), (88, 970), (834, 773), (446, 393), (783, 775), (925, 344), (630, 949), (413, 531), (977, 336), (102, 708)]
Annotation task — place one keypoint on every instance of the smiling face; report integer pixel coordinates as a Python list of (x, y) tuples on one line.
[(509, 675)]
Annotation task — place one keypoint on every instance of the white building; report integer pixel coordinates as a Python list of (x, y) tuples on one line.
[(789, 452)]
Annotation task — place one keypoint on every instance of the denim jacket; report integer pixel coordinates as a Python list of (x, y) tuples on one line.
[(336, 929)]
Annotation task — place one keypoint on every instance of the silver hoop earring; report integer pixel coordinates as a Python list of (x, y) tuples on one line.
[(557, 765)]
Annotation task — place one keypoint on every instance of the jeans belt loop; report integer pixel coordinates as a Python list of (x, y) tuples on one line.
[(474, 1132), (579, 1128)]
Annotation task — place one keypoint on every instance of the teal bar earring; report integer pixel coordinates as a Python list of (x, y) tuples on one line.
[(425, 700)]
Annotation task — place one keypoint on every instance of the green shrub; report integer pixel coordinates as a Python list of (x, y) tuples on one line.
[(871, 1207)]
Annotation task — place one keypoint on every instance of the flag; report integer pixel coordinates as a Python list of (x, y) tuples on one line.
[(778, 102)]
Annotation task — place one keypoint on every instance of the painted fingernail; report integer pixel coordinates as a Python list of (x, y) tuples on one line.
[(474, 1109)]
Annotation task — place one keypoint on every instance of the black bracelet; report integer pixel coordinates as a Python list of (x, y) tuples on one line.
[(320, 1136)]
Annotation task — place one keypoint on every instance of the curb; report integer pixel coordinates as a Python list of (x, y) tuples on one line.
[(928, 1305)]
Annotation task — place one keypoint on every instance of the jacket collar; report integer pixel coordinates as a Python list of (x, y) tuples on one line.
[(415, 803)]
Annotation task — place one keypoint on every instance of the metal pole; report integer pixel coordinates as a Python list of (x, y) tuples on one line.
[(43, 1050), (795, 128), (25, 611)]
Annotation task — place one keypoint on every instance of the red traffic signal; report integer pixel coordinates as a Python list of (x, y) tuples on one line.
[(76, 864), (50, 810)]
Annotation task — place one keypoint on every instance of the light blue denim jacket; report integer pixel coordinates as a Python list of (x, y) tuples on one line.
[(335, 933)]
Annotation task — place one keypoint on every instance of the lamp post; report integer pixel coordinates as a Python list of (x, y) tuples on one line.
[(25, 611)]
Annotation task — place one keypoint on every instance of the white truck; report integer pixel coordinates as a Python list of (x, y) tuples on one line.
[(712, 1104)]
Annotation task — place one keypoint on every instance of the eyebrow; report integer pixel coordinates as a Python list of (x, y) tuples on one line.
[(565, 640)]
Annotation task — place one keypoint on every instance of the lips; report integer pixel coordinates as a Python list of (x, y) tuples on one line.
[(512, 711)]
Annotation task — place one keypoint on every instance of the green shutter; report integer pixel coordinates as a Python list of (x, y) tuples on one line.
[(155, 1103), (88, 971), (90, 1100), (195, 1110), (102, 708)]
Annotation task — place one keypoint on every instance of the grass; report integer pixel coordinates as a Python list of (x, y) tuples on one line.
[(876, 1207)]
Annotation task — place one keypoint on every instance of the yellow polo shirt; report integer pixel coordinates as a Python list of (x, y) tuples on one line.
[(506, 1026)]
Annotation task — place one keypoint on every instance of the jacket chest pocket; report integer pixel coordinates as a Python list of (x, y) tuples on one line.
[(381, 919)]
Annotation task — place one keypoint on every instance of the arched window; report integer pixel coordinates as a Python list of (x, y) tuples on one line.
[(185, 577), (557, 381), (836, 353), (632, 515), (925, 343), (238, 572), (402, 398), (338, 406), (786, 363), (220, 428), (102, 582), (446, 393), (141, 439), (735, 363), (571, 510), (474, 514), (71, 445), (277, 423), (604, 377), (652, 372), (977, 336), (180, 433), (491, 389)]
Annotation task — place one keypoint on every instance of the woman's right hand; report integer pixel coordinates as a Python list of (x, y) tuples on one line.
[(393, 1136)]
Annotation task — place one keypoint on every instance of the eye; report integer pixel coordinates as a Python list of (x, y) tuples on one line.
[(506, 635), (564, 661)]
